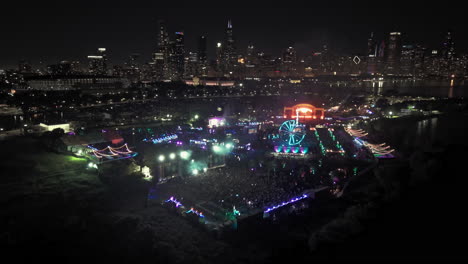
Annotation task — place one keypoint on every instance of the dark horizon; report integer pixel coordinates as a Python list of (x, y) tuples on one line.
[(50, 33)]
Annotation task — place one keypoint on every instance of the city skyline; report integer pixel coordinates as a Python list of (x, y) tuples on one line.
[(80, 33)]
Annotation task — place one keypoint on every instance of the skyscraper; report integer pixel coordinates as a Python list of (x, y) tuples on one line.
[(163, 37), (381, 50), (289, 55), (448, 47), (371, 53), (191, 65), (419, 60), (326, 60), (447, 55), (250, 58), (408, 53), (202, 57), (161, 56), (102, 52), (177, 56), (433, 63), (393, 54), (158, 66), (371, 46), (132, 70), (98, 63), (289, 61), (220, 62), (230, 55)]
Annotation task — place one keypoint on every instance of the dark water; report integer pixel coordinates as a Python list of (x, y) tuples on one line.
[(448, 88), (406, 135), (446, 129), (426, 88)]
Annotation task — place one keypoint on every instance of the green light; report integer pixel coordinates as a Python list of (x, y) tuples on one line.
[(195, 171), (172, 156), (197, 116), (161, 158), (185, 155), (74, 159), (216, 148), (229, 145)]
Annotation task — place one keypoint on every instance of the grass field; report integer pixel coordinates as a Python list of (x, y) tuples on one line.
[(30, 169)]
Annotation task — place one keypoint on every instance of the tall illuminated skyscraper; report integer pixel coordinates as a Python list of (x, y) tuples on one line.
[(408, 53), (177, 56), (191, 65), (98, 63), (372, 55), (220, 60), (447, 55), (393, 54), (419, 60), (371, 46), (161, 57), (229, 49), (448, 47), (102, 52), (202, 56), (250, 58)]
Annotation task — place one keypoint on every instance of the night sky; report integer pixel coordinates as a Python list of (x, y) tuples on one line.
[(51, 31)]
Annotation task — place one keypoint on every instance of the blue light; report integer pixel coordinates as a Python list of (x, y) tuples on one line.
[(286, 203), (200, 214), (173, 200), (179, 204)]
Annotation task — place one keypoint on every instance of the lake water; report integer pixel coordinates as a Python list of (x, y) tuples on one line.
[(443, 130), (449, 88)]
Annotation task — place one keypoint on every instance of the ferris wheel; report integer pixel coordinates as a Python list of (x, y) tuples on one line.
[(292, 132)]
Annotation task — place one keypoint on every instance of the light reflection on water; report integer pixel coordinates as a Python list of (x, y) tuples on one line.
[(442, 130), (448, 88)]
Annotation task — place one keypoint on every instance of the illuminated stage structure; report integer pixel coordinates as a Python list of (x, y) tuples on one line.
[(304, 112), (112, 154), (304, 138), (216, 122)]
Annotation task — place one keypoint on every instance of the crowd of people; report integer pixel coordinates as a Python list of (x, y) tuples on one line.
[(252, 181), (248, 188)]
